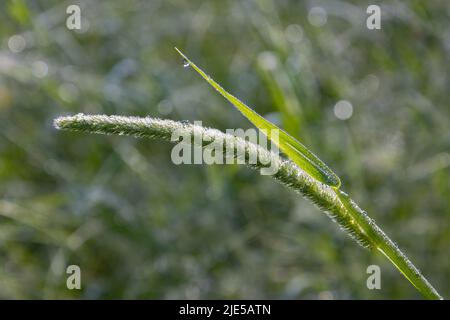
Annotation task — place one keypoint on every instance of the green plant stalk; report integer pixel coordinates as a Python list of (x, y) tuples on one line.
[(381, 242), (335, 203), (359, 222)]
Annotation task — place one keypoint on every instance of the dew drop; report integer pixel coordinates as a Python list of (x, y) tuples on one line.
[(186, 63)]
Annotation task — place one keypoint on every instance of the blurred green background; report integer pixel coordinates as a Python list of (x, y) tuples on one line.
[(373, 104)]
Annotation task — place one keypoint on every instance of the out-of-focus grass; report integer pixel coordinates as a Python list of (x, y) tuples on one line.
[(141, 227)]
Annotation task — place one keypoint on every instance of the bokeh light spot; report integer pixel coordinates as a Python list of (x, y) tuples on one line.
[(343, 110)]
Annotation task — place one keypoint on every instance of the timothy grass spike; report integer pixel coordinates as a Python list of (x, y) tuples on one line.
[(335, 203)]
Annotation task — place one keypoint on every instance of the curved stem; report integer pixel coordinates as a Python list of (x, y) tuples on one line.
[(334, 202), (388, 248)]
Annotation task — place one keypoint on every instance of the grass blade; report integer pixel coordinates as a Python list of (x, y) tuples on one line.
[(293, 148)]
